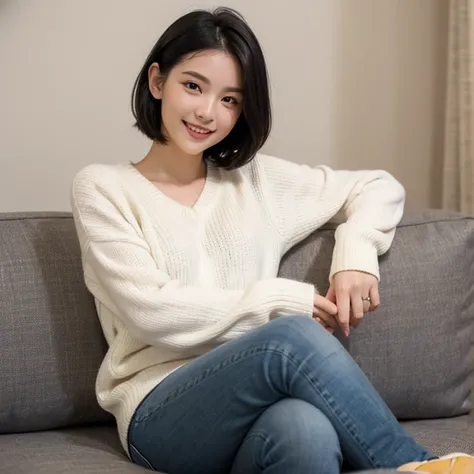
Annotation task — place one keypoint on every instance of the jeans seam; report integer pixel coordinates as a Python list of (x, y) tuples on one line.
[(183, 388), (324, 394), (133, 449), (253, 436)]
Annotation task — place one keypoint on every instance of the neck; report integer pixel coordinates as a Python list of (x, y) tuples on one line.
[(166, 163)]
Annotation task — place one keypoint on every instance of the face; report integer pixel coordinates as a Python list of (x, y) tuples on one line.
[(201, 99)]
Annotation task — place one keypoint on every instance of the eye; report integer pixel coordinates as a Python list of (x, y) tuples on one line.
[(230, 100), (192, 86)]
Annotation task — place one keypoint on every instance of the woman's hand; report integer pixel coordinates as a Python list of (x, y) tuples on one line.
[(325, 313), (354, 293)]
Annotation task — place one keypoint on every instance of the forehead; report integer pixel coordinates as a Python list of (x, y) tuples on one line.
[(221, 68)]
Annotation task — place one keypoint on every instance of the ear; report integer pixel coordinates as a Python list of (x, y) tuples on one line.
[(155, 81)]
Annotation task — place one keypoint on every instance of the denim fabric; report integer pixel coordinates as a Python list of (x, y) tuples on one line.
[(284, 398)]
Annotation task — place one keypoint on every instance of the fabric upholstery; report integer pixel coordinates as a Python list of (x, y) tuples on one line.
[(82, 450), (417, 348), (50, 336), (444, 436), (96, 450)]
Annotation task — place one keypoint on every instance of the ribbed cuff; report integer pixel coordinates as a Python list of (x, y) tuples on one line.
[(294, 297), (354, 253)]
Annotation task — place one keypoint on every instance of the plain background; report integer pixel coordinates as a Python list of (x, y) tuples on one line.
[(355, 85)]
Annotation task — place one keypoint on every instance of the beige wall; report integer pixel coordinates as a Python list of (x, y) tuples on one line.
[(355, 85)]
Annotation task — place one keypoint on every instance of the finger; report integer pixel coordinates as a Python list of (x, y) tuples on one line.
[(352, 321), (326, 318), (357, 309), (343, 310), (324, 325), (331, 295), (323, 303), (374, 298)]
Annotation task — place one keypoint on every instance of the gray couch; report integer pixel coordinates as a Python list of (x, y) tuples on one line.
[(417, 349)]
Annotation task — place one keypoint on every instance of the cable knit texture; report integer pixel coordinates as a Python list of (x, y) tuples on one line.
[(172, 282)]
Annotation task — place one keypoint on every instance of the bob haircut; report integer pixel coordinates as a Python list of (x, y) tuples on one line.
[(225, 30)]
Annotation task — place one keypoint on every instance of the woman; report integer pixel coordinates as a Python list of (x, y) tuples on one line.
[(215, 364)]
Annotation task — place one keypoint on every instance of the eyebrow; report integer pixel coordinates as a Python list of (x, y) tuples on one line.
[(204, 79)]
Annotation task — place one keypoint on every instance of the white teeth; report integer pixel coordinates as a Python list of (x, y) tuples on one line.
[(195, 129)]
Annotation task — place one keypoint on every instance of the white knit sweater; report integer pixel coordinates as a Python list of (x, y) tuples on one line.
[(171, 282)]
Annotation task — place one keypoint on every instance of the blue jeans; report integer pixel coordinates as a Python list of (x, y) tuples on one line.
[(284, 398)]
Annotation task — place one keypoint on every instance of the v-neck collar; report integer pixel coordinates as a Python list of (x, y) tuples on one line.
[(208, 194)]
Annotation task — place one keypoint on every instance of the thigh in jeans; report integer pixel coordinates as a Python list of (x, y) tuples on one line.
[(196, 419)]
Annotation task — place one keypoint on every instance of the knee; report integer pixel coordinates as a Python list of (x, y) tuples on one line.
[(300, 332), (293, 324), (295, 428), (297, 324), (298, 422)]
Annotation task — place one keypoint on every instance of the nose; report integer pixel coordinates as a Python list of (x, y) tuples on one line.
[(206, 110)]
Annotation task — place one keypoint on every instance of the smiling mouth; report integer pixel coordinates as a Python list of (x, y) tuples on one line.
[(196, 129)]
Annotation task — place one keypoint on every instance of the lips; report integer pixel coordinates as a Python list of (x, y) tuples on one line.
[(197, 133), (197, 128)]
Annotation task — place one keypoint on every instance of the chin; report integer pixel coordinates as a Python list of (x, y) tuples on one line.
[(192, 151)]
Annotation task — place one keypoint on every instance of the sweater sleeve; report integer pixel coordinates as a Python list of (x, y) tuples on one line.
[(122, 274), (367, 205)]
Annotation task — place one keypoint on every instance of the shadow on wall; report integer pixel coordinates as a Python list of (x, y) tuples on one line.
[(390, 92)]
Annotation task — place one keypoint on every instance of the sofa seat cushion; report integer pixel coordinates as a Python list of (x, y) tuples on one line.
[(83, 450), (94, 450), (444, 436)]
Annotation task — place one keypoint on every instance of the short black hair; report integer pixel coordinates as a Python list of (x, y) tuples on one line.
[(221, 29)]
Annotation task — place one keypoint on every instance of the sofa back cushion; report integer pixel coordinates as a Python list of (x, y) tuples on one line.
[(50, 338), (417, 348)]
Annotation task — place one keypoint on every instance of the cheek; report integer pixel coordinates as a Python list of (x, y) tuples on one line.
[(175, 101)]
